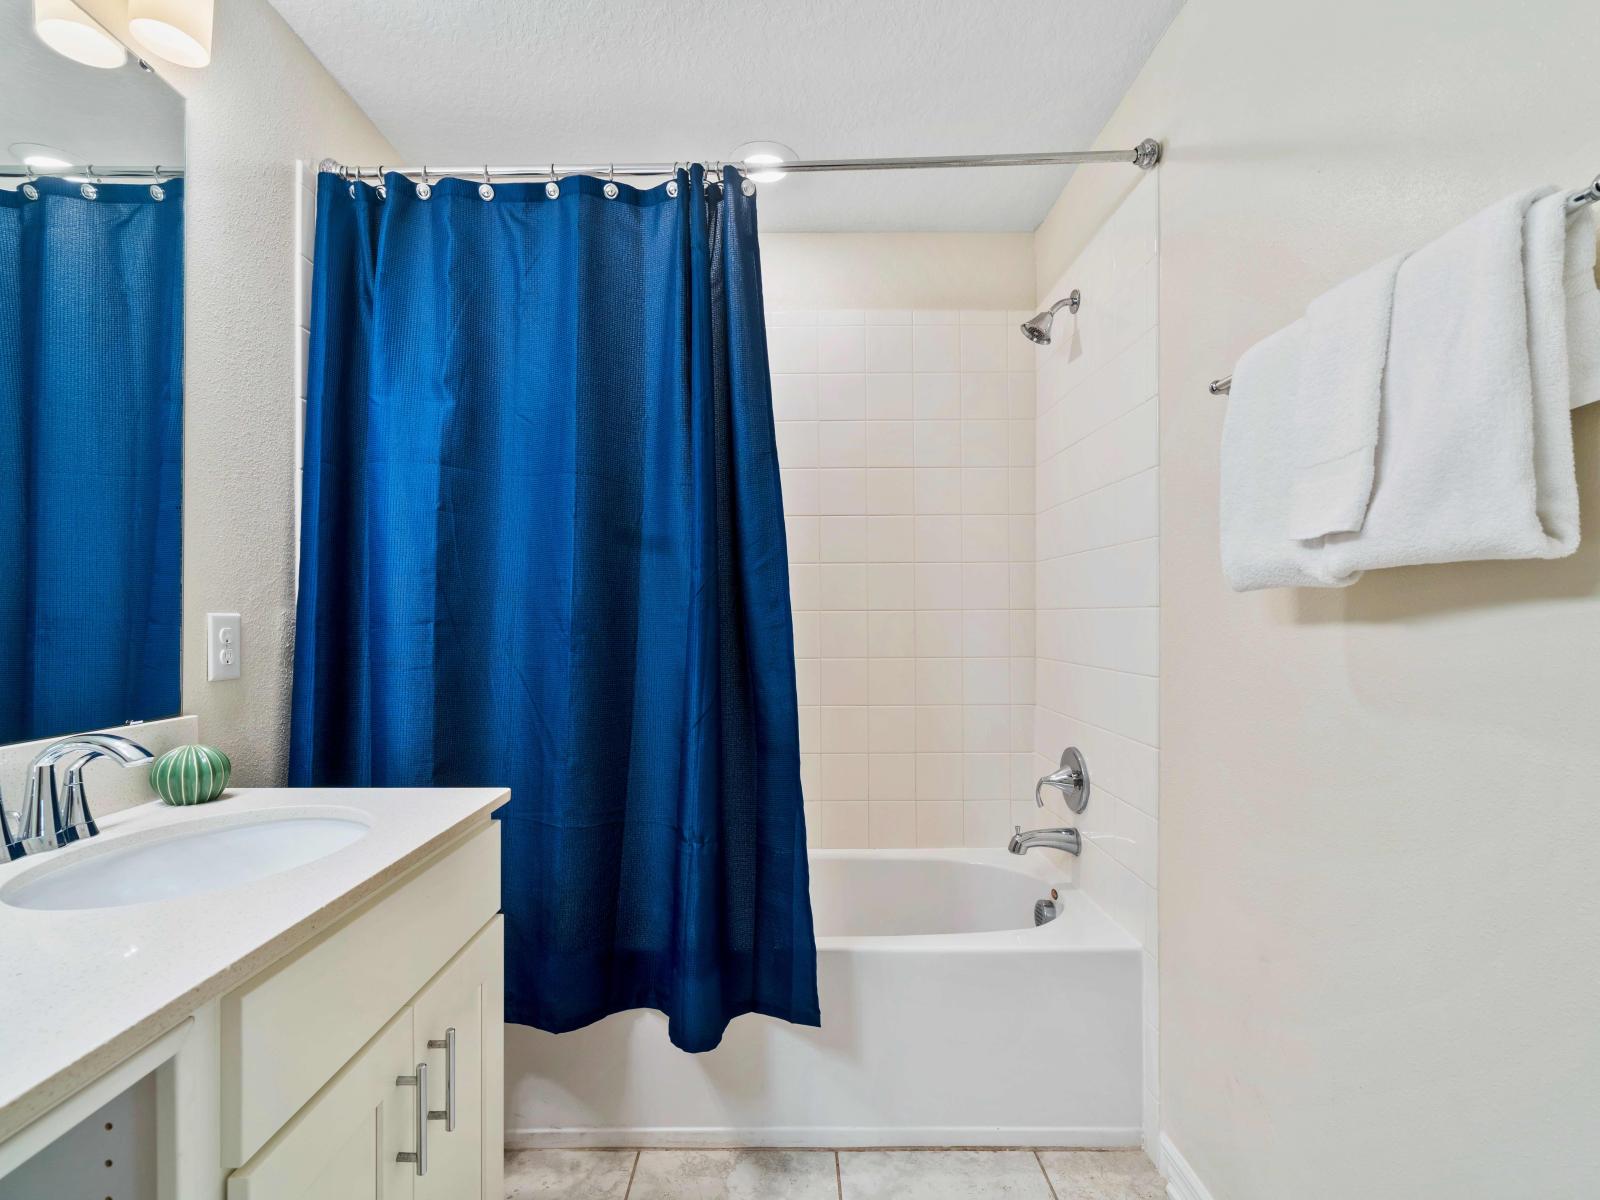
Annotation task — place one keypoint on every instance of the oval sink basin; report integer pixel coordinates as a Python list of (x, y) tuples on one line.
[(186, 862)]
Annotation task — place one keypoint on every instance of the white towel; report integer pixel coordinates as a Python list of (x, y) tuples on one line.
[(1474, 457), (1470, 462), (1258, 469), (1337, 403), (1583, 308)]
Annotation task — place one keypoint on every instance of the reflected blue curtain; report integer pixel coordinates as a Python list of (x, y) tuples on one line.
[(91, 455), (543, 547)]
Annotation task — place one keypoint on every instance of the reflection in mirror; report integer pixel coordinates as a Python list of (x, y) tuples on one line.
[(91, 389)]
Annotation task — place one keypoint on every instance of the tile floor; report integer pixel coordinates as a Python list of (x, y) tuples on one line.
[(831, 1175)]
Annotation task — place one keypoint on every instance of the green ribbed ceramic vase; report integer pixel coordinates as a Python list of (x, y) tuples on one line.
[(191, 774)]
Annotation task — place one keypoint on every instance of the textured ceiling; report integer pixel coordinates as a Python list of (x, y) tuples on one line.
[(453, 81)]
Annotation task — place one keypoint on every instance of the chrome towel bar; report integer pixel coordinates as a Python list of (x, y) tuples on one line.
[(1577, 200)]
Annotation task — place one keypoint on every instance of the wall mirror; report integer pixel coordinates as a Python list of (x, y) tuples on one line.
[(91, 381)]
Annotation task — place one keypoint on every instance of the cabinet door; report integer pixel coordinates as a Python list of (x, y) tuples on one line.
[(343, 1144), (462, 1007)]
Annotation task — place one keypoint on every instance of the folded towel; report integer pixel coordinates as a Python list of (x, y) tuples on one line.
[(1583, 308), (1337, 403), (1544, 266), (1474, 449), (1465, 470), (1258, 469)]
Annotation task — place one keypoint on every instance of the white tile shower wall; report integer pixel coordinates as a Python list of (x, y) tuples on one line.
[(906, 443), (1098, 574)]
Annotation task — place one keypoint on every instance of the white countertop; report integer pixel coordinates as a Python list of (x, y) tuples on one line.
[(83, 989)]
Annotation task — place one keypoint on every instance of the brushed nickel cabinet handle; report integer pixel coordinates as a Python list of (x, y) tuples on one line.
[(448, 1113), (419, 1156)]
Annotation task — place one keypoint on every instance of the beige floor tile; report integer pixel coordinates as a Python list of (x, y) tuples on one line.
[(941, 1175), (1102, 1175), (568, 1174), (735, 1175)]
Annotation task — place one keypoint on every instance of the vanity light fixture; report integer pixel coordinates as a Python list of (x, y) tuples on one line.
[(176, 30), (73, 33), (762, 160)]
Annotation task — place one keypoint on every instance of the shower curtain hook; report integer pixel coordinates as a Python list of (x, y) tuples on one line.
[(424, 189), (746, 184), (485, 190), (352, 188), (157, 192), (672, 184), (611, 182), (89, 190), (28, 190), (383, 188), (552, 189)]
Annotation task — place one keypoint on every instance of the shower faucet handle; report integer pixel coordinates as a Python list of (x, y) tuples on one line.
[(1071, 780)]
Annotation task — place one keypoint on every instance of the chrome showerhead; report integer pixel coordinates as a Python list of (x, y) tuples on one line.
[(1037, 330)]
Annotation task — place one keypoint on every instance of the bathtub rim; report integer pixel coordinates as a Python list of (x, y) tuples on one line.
[(1088, 928)]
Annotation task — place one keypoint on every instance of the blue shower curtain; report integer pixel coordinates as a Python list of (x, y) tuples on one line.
[(543, 546), (91, 455)]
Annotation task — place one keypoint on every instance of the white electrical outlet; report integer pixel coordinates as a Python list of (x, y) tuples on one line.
[(223, 646)]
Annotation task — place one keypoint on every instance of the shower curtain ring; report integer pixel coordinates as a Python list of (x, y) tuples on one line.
[(611, 182), (552, 189), (157, 192), (352, 188), (383, 188), (485, 191), (89, 190), (28, 190), (424, 189), (746, 184), (672, 184)]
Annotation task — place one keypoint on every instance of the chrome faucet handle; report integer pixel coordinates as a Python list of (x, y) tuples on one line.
[(10, 843), (1072, 781), (39, 828)]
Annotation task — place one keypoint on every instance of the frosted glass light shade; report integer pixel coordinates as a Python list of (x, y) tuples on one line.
[(70, 31), (176, 30), (763, 160)]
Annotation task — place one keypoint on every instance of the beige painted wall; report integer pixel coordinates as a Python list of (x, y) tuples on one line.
[(1380, 932), (262, 103)]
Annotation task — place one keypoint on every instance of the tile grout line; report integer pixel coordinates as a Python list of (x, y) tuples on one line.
[(632, 1171), (1048, 1182), (838, 1176)]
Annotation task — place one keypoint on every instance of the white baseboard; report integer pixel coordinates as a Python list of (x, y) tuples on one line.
[(829, 1136), (1182, 1182)]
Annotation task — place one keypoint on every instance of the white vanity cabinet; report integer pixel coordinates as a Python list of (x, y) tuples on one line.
[(262, 1040), (304, 1119)]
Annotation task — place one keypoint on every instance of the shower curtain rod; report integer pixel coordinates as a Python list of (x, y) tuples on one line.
[(1144, 156), (1575, 201), (92, 171)]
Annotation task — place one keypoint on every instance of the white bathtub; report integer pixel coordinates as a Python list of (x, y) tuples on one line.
[(947, 1019)]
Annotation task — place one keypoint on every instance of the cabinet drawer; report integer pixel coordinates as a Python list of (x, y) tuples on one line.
[(291, 1028)]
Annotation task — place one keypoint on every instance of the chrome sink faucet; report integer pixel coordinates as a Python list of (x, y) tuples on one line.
[(1072, 781), (69, 817)]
